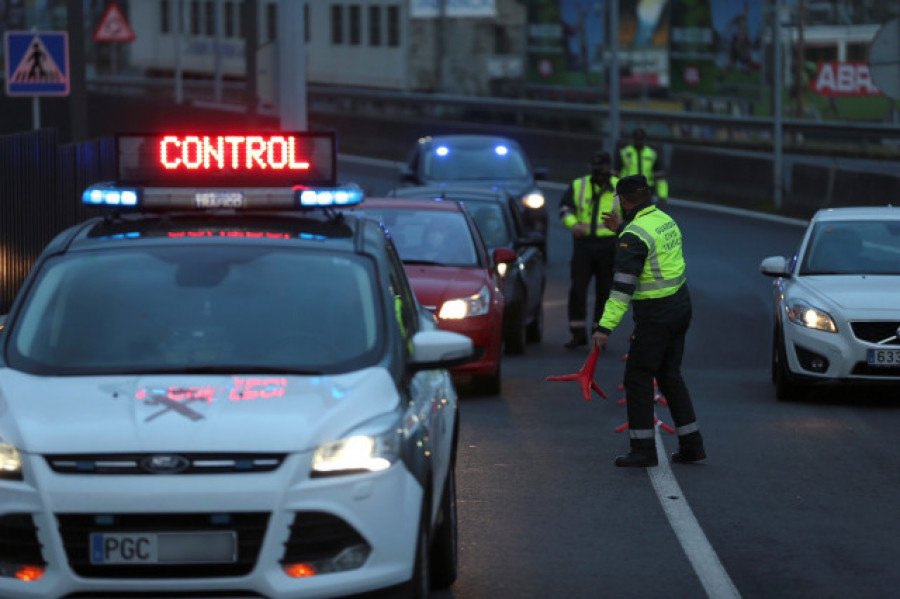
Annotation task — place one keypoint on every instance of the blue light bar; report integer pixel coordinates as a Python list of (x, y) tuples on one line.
[(322, 197), (501, 150), (442, 151), (108, 194)]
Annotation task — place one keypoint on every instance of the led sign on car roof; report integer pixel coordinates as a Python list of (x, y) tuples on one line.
[(227, 159)]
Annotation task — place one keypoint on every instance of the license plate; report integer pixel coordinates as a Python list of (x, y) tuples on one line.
[(883, 357), (116, 548)]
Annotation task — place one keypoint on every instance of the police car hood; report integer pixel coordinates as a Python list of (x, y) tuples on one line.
[(433, 285), (187, 413), (515, 187)]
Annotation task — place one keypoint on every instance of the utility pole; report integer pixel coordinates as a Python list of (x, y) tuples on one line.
[(291, 65), (440, 46), (800, 59), (777, 91), (613, 76), (77, 86), (251, 43)]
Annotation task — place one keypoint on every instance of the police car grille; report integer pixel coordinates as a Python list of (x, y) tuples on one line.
[(75, 530), (19, 545), (198, 463), (876, 332), (318, 535)]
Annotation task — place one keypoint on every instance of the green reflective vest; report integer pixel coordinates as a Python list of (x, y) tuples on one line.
[(663, 272), (582, 192), (643, 163)]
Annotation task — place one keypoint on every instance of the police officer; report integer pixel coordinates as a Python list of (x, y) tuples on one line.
[(580, 210), (640, 159), (650, 274)]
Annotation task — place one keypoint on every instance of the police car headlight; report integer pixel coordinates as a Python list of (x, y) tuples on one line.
[(358, 453), (801, 313), (10, 461), (467, 307), (534, 200)]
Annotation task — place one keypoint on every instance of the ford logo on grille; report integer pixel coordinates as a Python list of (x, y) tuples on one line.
[(165, 464)]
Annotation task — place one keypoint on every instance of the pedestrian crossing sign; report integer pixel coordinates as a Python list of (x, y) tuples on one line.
[(37, 63)]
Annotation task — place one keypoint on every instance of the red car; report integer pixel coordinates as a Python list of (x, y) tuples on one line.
[(452, 274)]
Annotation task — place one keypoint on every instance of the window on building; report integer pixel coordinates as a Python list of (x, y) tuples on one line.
[(228, 11), (355, 25), (195, 17), (374, 25), (164, 23), (210, 10), (337, 24), (501, 40), (393, 26), (272, 22)]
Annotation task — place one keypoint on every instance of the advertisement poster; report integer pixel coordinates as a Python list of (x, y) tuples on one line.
[(567, 42), (715, 48)]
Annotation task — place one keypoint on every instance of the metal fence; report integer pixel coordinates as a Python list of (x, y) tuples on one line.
[(40, 190)]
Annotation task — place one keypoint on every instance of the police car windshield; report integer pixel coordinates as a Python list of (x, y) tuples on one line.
[(473, 163), (211, 309)]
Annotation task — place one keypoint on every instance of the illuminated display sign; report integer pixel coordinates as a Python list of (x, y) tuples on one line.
[(227, 159)]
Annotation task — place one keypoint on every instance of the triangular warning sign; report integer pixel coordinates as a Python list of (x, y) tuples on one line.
[(114, 26), (37, 66)]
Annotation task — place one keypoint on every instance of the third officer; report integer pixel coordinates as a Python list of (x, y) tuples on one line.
[(640, 159), (594, 245)]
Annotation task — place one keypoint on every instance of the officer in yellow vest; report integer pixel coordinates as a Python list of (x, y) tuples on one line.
[(640, 159), (594, 245), (650, 275)]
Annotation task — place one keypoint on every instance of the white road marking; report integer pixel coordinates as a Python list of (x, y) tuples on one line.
[(696, 546)]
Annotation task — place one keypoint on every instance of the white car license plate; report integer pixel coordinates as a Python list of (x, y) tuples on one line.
[(118, 548), (883, 357)]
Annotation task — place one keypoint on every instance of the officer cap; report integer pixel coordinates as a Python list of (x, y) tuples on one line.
[(600, 158), (631, 184)]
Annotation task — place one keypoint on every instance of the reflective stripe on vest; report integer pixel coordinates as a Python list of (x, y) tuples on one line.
[(663, 272), (583, 203)]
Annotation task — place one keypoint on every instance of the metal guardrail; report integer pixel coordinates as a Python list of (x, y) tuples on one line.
[(865, 141)]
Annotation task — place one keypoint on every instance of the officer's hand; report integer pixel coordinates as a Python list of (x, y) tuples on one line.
[(580, 230), (599, 340), (612, 220)]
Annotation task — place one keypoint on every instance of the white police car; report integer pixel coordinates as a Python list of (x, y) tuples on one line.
[(837, 302), (227, 390)]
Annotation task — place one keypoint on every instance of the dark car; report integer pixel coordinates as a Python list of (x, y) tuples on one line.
[(484, 161), (501, 223)]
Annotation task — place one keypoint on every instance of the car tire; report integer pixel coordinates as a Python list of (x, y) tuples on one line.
[(488, 384), (444, 544), (514, 327), (419, 587), (534, 332), (786, 389)]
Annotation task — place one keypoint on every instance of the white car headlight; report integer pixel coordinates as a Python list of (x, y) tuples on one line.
[(533, 200), (10, 461), (801, 313), (358, 453), (501, 269), (467, 307)]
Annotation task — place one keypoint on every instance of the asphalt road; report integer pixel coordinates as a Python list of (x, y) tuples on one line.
[(795, 499)]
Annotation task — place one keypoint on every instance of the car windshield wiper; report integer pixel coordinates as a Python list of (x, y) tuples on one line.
[(432, 262)]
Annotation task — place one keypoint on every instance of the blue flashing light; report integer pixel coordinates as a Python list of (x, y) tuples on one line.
[(317, 198), (501, 150), (106, 194), (442, 151)]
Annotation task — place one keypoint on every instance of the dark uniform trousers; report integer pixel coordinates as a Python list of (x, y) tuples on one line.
[(592, 258), (656, 351)]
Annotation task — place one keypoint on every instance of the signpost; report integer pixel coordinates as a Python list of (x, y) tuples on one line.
[(37, 64)]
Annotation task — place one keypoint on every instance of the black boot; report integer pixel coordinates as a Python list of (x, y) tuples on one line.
[(690, 449), (642, 454)]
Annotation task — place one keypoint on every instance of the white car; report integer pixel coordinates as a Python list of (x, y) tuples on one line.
[(837, 301), (227, 402)]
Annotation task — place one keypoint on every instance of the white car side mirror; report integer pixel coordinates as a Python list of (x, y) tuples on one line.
[(440, 349), (774, 266)]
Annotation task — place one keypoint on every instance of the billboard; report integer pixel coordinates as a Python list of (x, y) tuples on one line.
[(568, 41), (715, 48)]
